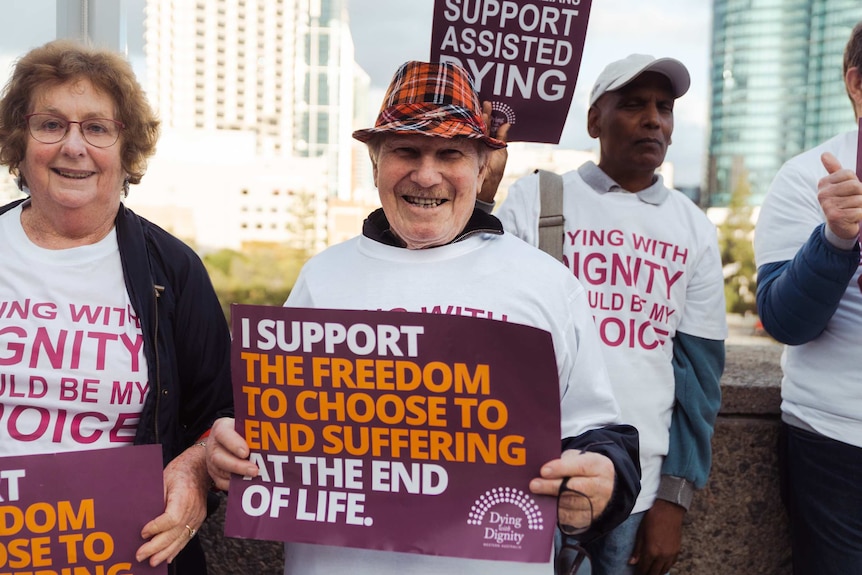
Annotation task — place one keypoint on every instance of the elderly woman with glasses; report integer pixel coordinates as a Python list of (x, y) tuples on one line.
[(123, 324)]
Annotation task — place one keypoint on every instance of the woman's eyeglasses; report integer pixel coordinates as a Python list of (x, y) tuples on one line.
[(50, 129)]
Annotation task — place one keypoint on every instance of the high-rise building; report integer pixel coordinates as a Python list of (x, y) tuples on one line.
[(777, 87), (281, 68), (324, 70), (224, 64), (282, 71)]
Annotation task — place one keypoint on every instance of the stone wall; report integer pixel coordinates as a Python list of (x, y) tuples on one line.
[(229, 556), (736, 524)]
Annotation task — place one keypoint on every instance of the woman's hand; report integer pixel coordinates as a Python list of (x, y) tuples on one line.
[(186, 485)]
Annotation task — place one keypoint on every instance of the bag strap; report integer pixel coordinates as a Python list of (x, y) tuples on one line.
[(551, 219)]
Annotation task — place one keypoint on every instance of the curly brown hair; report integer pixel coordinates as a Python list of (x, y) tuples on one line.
[(63, 61)]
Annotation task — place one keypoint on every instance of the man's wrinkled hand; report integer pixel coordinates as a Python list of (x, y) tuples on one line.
[(840, 197), (589, 473), (227, 453), (496, 159)]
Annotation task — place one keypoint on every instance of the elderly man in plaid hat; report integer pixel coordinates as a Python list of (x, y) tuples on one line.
[(428, 247)]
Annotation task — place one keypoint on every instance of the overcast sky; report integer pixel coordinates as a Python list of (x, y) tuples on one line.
[(389, 32)]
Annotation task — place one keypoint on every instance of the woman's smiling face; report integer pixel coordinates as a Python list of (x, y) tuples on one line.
[(73, 174)]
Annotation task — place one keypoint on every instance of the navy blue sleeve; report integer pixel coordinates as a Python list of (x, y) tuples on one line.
[(620, 444), (697, 367), (796, 298)]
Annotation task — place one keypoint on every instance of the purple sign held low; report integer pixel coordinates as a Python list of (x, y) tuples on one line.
[(859, 152), (79, 512), (354, 417), (523, 55)]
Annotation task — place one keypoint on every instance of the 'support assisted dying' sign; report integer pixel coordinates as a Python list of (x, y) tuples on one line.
[(79, 512), (359, 419), (523, 55)]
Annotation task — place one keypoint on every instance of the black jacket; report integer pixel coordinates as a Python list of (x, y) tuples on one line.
[(186, 343)]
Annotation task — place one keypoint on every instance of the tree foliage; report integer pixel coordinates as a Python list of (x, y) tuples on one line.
[(262, 274), (735, 237)]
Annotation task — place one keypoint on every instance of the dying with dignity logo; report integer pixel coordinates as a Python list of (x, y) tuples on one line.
[(505, 516)]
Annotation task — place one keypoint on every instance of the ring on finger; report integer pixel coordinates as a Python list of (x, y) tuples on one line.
[(191, 530)]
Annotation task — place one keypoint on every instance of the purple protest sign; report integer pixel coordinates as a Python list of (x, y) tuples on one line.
[(859, 152), (355, 416), (523, 55), (80, 511)]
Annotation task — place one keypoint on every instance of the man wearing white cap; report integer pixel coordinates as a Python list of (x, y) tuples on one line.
[(649, 260)]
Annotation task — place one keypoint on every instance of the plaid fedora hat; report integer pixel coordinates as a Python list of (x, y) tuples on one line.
[(431, 99)]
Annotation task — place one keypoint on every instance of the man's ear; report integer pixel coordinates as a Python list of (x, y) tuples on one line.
[(374, 171), (486, 165), (853, 81), (594, 116), (483, 173)]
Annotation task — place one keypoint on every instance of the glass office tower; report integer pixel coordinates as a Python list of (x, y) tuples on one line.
[(283, 69), (777, 87)]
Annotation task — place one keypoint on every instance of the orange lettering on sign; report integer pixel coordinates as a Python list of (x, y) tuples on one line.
[(274, 369), (22, 552), (401, 375), (44, 517), (424, 444), (279, 436)]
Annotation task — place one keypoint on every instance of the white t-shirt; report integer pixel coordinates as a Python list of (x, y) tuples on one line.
[(821, 385), (73, 375), (497, 277), (650, 264)]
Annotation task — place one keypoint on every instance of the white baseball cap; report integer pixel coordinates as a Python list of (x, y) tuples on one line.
[(618, 74)]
